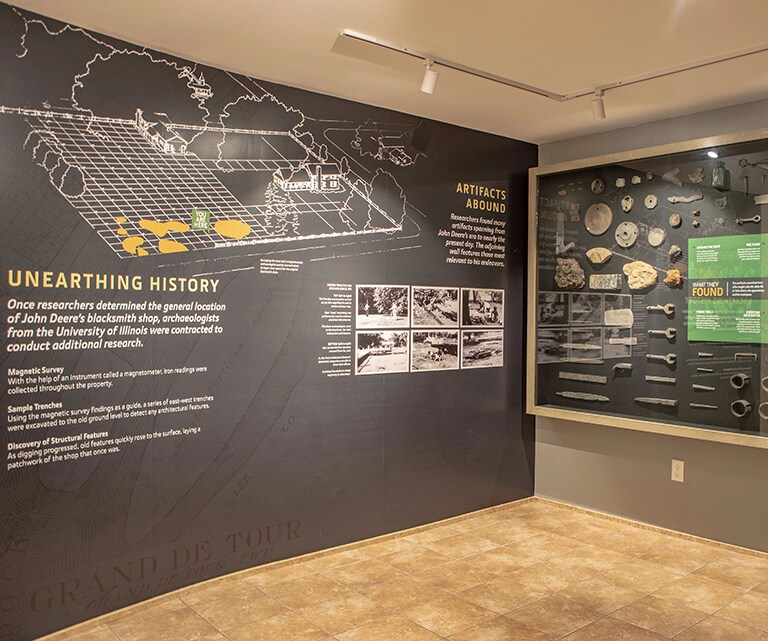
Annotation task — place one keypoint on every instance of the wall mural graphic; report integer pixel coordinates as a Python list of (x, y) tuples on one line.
[(198, 267)]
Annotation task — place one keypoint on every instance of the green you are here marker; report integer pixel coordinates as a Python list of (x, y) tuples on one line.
[(201, 219)]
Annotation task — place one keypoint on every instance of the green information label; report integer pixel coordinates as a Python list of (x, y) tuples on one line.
[(201, 219), (727, 281)]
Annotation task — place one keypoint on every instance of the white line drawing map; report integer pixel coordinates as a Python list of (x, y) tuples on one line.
[(234, 166)]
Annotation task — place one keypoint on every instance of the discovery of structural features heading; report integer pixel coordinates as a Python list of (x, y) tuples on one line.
[(87, 280)]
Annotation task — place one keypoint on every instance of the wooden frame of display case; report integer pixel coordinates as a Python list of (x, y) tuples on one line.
[(603, 418)]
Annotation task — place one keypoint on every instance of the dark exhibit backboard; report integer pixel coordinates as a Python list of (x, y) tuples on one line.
[(242, 322)]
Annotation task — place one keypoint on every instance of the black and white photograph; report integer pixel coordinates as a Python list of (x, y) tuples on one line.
[(621, 349), (552, 308), (586, 344), (432, 350), (381, 352), (482, 348), (586, 308), (382, 306), (617, 301), (435, 306), (551, 346), (482, 307)]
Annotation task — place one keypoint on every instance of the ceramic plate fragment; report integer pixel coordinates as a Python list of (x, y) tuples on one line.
[(626, 234), (598, 219)]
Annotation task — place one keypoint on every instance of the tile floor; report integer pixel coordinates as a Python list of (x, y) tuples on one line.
[(531, 571)]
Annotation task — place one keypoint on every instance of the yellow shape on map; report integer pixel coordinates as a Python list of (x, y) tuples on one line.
[(140, 251), (236, 229), (167, 246), (161, 229), (121, 219), (131, 245), (122, 232)]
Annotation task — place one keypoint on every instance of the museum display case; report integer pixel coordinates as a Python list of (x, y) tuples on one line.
[(647, 299)]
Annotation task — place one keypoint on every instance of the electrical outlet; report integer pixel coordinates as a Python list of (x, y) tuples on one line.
[(678, 470)]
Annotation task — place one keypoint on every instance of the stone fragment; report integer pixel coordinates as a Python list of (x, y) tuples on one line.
[(697, 176), (672, 177), (675, 253), (656, 237), (640, 275), (606, 282), (674, 278), (599, 255), (619, 318), (569, 274)]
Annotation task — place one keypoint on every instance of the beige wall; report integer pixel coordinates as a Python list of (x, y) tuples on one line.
[(627, 473)]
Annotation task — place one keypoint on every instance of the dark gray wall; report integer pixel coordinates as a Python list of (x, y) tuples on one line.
[(273, 446), (627, 473)]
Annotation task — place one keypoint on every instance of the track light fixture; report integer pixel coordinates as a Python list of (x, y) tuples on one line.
[(430, 77), (598, 105)]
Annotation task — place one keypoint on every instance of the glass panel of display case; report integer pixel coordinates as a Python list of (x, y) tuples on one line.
[(649, 290)]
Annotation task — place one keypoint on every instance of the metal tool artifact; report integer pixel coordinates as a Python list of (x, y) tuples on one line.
[(706, 355), (669, 359), (741, 408), (762, 164), (750, 355), (584, 396), (661, 379), (669, 402), (627, 367), (703, 406), (763, 410), (764, 383), (584, 346), (754, 219), (560, 246), (668, 309), (739, 381), (670, 332), (704, 370), (685, 199), (703, 388), (586, 378), (632, 340)]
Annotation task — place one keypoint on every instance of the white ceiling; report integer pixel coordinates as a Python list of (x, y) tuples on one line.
[(560, 45)]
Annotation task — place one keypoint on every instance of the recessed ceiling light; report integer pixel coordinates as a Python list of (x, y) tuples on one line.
[(713, 154)]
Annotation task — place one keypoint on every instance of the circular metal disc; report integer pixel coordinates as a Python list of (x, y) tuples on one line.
[(627, 203), (656, 237), (598, 186), (675, 220), (626, 234), (598, 219), (651, 201)]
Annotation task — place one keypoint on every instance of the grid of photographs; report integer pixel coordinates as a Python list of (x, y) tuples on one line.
[(403, 328), (579, 327)]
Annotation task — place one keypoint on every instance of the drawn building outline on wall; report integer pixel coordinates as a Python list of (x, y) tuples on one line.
[(150, 168)]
